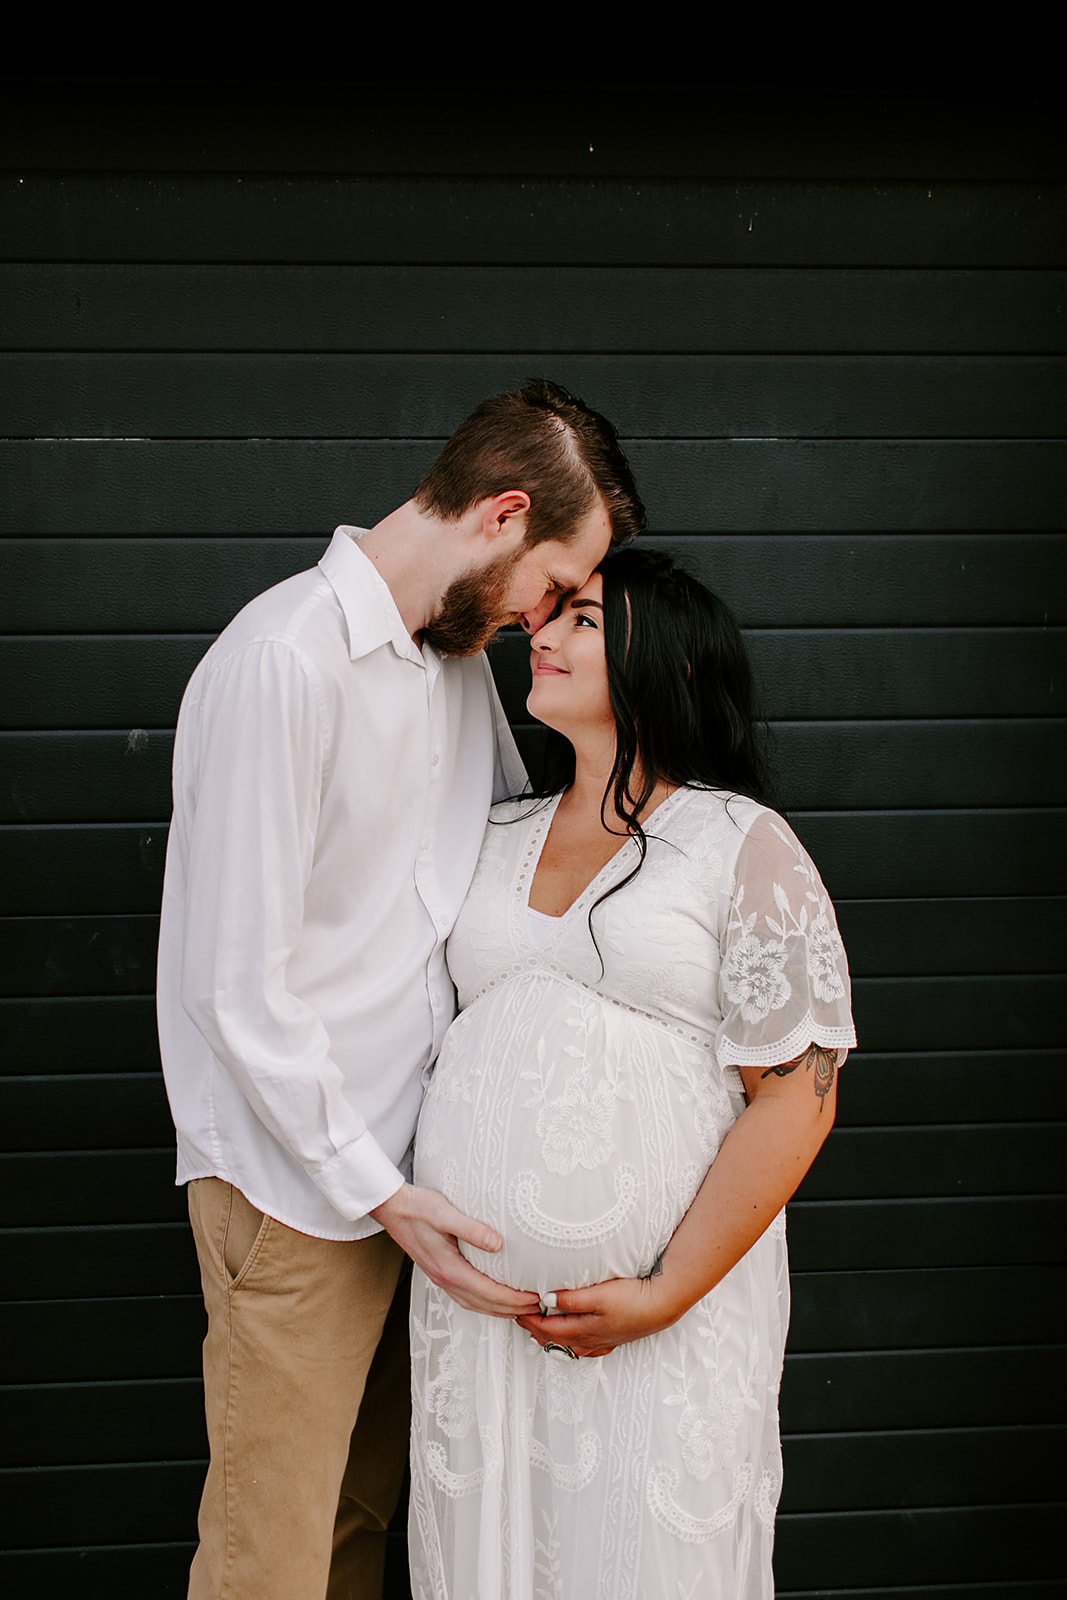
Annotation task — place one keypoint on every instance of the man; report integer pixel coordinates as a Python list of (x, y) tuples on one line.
[(336, 755)]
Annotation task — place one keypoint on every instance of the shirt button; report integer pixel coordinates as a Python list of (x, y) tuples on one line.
[(434, 759)]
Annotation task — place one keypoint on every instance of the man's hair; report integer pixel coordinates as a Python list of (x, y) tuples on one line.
[(544, 440)]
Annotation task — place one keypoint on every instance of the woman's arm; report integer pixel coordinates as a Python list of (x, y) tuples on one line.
[(758, 1168)]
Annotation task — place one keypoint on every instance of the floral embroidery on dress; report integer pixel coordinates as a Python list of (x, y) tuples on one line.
[(565, 1386), (753, 977), (575, 1129), (451, 1394), (711, 1404), (825, 952)]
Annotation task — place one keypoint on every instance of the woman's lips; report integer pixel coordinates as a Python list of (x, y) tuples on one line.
[(543, 669)]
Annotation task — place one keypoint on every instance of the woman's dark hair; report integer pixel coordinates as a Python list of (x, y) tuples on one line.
[(681, 690)]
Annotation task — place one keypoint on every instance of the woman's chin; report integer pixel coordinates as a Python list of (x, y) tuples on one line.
[(540, 708)]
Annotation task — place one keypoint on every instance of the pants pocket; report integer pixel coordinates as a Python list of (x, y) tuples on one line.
[(245, 1230)]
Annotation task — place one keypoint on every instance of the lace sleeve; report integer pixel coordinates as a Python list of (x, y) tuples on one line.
[(784, 978)]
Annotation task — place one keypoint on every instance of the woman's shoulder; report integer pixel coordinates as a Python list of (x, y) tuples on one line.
[(726, 806)]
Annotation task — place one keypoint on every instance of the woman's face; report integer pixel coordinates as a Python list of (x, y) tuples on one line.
[(570, 674)]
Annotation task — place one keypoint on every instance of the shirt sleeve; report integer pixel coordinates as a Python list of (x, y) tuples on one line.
[(260, 750), (784, 981)]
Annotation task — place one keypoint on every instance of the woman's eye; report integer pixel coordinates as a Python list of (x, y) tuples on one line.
[(580, 617)]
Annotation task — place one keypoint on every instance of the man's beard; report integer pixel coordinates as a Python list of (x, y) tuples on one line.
[(470, 612)]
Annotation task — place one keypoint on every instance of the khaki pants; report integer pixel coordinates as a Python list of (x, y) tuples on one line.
[(306, 1390)]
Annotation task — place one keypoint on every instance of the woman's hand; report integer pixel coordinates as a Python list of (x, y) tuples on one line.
[(594, 1321)]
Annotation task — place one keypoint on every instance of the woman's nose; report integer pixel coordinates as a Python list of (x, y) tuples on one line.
[(543, 639)]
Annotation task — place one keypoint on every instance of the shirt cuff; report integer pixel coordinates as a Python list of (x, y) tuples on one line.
[(358, 1178)]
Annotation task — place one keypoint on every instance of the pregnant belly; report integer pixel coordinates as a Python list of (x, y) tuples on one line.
[(579, 1130)]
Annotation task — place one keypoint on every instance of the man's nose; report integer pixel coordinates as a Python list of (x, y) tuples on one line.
[(534, 620)]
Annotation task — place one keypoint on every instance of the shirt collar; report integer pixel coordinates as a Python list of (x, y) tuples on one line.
[(369, 609)]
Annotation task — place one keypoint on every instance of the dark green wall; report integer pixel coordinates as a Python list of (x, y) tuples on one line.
[(831, 333)]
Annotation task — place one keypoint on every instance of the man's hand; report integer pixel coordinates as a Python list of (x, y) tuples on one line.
[(426, 1227)]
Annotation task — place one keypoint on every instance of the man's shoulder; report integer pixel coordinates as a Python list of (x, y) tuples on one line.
[(301, 612)]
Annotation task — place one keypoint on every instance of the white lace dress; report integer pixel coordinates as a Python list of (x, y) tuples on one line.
[(578, 1112)]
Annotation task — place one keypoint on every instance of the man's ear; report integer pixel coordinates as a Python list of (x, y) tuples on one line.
[(504, 515)]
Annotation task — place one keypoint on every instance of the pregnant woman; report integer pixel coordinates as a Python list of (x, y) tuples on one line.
[(654, 1005)]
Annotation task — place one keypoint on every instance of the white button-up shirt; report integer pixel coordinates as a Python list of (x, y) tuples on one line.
[(331, 786)]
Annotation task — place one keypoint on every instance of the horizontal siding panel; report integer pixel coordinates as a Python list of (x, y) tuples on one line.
[(107, 681), (932, 1467), (78, 955), (921, 1309), (159, 306), (960, 1013), (121, 1110), (155, 1500), (89, 1262), (899, 672), (112, 775), (132, 681), (922, 938), (89, 776), (82, 1423), (651, 221), (179, 585), (344, 396), (275, 487), (949, 1086), (867, 1551), (779, 129), (875, 854), (962, 1159), (61, 1341), (111, 866), (102, 1572), (846, 1235), (98, 1186), (111, 1033), (935, 763), (1012, 1589)]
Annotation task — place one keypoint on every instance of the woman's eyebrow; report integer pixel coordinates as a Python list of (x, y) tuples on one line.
[(576, 603)]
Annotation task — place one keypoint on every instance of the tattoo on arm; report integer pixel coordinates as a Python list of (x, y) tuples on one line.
[(824, 1063)]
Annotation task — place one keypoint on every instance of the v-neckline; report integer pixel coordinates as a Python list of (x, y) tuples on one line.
[(537, 845)]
